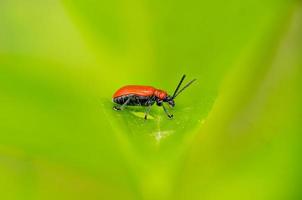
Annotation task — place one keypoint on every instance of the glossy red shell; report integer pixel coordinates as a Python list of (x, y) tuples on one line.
[(140, 91)]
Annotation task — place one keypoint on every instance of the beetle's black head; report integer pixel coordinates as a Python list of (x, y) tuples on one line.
[(170, 101)]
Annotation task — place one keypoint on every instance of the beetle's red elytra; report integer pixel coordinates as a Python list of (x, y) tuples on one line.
[(140, 91), (139, 95)]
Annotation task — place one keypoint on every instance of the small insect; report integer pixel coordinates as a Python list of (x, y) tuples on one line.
[(138, 95)]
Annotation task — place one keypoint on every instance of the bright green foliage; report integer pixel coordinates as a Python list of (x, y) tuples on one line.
[(235, 132)]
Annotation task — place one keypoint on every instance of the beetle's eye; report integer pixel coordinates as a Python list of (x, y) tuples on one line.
[(168, 98)]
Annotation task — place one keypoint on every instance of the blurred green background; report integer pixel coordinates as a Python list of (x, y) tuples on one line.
[(236, 133)]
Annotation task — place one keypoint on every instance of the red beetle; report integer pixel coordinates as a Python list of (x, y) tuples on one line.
[(138, 95)]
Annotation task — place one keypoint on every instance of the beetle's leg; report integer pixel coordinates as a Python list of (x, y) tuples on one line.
[(122, 106), (147, 111), (166, 111), (149, 103)]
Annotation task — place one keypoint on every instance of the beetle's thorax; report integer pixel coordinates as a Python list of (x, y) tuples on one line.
[(160, 94)]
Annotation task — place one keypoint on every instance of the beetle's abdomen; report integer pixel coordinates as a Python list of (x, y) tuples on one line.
[(134, 100), (137, 90)]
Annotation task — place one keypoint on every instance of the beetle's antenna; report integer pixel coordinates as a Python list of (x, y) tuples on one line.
[(179, 84), (188, 84)]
